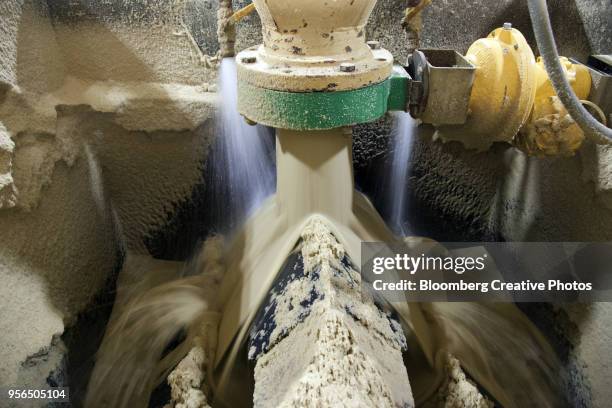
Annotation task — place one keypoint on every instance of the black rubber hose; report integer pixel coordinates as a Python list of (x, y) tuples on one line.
[(548, 50)]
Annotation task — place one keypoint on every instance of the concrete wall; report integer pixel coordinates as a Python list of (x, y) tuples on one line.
[(104, 126), (136, 40)]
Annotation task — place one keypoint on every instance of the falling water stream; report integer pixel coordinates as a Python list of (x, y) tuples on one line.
[(402, 135), (242, 170)]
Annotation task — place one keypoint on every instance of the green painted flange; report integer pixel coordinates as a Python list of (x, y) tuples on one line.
[(320, 110), (398, 96)]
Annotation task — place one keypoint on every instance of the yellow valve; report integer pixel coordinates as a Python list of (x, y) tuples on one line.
[(502, 93), (550, 130)]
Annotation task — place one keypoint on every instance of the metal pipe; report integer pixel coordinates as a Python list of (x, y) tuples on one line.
[(322, 161), (243, 12), (548, 49)]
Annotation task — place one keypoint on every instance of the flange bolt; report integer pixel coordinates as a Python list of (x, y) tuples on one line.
[(507, 26), (374, 45), (249, 60), (347, 67)]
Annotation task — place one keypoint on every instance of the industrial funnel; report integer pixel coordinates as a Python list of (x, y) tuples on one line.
[(315, 29)]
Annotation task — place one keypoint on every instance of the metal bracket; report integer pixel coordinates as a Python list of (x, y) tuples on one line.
[(600, 68), (440, 86)]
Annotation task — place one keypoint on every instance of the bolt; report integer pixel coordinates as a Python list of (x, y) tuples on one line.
[(507, 26), (249, 60), (347, 67), (375, 45)]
